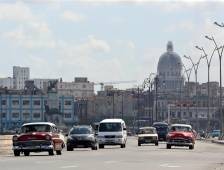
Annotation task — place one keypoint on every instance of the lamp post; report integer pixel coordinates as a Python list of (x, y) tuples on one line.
[(195, 67), (148, 83), (188, 74), (220, 53), (208, 61), (156, 91)]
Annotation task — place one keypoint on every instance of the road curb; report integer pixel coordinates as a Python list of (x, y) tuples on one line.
[(218, 141)]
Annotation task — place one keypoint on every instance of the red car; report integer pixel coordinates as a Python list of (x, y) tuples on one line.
[(38, 137), (180, 135)]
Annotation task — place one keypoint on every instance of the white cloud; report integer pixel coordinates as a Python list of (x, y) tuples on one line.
[(31, 35), (15, 11), (131, 45), (186, 25), (72, 16)]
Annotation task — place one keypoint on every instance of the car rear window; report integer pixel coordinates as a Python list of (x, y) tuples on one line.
[(36, 128)]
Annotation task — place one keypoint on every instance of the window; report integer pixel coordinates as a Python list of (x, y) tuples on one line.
[(15, 102), (26, 116), (67, 115), (36, 102), (36, 115), (15, 115), (68, 102), (84, 86), (26, 102), (3, 102), (3, 115)]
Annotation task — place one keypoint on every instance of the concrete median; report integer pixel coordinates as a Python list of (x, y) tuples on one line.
[(5, 144)]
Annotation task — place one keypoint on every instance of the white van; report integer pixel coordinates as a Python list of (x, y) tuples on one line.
[(112, 132)]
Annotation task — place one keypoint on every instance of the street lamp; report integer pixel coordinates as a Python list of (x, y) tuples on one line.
[(156, 79), (220, 53), (149, 83), (195, 67), (208, 61), (188, 74)]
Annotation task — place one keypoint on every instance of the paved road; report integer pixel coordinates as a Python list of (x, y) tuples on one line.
[(205, 156)]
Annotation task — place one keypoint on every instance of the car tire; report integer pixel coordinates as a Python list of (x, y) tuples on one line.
[(123, 145), (16, 153), (191, 147), (69, 148), (94, 147), (139, 144), (51, 152), (58, 152), (156, 143), (168, 146), (26, 153), (101, 146)]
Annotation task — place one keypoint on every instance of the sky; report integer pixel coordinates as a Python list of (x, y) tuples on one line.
[(106, 41)]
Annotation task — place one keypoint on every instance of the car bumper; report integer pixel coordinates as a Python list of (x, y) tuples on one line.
[(173, 143), (147, 141), (81, 143), (114, 141), (33, 148)]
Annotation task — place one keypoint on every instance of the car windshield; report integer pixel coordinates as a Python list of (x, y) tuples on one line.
[(181, 128), (36, 128), (147, 131), (161, 128), (80, 130), (110, 127)]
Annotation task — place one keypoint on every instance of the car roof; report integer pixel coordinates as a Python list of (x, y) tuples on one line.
[(112, 121), (39, 123), (82, 126), (160, 123), (183, 125), (147, 127)]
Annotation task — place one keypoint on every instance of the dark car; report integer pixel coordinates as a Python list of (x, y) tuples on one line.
[(162, 130), (81, 137)]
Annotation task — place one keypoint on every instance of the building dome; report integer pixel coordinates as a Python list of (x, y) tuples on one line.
[(169, 69), (169, 60)]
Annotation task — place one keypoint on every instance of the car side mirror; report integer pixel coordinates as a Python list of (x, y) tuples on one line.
[(125, 128)]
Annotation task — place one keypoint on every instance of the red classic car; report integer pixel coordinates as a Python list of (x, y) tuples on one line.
[(38, 137), (180, 135)]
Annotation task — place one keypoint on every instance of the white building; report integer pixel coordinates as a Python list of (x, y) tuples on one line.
[(6, 82), (20, 75), (80, 88)]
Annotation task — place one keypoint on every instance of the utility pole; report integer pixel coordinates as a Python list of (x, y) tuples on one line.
[(138, 106)]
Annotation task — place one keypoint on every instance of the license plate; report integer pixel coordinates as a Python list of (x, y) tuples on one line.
[(80, 146), (58, 146)]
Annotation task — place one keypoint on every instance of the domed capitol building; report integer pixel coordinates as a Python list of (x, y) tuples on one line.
[(169, 71), (171, 101)]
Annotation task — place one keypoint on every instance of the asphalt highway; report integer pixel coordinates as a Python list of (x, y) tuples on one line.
[(205, 156)]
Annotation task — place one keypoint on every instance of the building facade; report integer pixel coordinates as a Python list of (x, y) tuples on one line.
[(20, 75), (79, 89), (17, 109)]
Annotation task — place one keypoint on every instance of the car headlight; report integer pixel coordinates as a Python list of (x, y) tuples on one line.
[(48, 137), (15, 138)]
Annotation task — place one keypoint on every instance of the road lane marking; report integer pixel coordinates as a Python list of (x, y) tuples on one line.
[(170, 166), (67, 167), (110, 162)]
